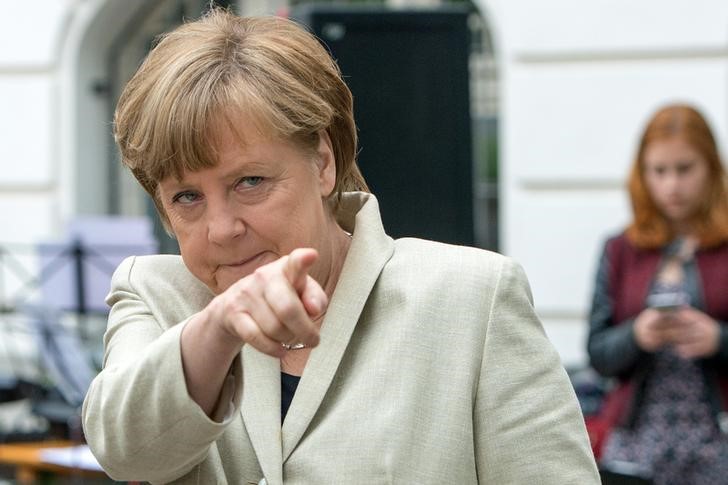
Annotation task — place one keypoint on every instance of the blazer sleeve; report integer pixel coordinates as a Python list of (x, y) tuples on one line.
[(138, 419), (721, 357), (528, 424), (611, 345)]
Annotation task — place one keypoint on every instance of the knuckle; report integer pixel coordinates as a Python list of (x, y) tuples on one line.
[(228, 305), (260, 275), (249, 334), (288, 311), (247, 292)]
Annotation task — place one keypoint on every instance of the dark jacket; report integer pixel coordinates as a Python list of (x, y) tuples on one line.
[(623, 280)]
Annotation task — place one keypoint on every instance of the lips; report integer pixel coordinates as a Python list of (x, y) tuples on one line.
[(676, 204), (241, 268), (254, 261), (228, 273), (241, 262)]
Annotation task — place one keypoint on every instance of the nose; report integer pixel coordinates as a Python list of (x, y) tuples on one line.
[(672, 181), (223, 224)]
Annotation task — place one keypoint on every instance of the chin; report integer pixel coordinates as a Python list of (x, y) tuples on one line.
[(225, 279), (678, 216)]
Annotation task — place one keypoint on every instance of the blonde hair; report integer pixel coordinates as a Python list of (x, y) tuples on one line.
[(222, 66), (649, 228)]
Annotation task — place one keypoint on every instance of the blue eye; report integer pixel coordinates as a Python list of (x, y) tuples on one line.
[(247, 182), (185, 197)]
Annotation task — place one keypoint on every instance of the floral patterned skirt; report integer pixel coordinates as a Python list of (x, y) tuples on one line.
[(676, 439)]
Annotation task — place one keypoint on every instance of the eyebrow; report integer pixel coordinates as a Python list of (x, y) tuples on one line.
[(247, 168), (678, 161)]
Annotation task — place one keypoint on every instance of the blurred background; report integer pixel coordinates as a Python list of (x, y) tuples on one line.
[(518, 119)]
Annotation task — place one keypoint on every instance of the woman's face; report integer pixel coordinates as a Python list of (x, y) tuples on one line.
[(264, 198), (676, 176)]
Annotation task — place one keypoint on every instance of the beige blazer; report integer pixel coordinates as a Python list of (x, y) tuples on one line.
[(432, 368)]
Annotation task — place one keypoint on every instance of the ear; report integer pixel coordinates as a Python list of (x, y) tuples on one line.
[(326, 162)]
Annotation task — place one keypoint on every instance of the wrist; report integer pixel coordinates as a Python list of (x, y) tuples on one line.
[(208, 330)]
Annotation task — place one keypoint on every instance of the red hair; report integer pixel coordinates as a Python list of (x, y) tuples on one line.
[(650, 228)]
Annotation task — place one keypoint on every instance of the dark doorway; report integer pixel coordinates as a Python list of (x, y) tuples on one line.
[(409, 73)]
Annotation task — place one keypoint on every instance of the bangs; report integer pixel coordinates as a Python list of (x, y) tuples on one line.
[(161, 132), (180, 139), (180, 133)]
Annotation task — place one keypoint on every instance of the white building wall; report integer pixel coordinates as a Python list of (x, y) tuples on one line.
[(30, 40), (579, 80)]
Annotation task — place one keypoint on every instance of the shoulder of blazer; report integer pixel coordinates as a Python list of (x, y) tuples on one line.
[(442, 263), (161, 276)]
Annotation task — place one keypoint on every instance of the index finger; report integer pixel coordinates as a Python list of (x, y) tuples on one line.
[(297, 266)]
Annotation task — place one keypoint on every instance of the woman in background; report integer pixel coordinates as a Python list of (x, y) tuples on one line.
[(660, 310)]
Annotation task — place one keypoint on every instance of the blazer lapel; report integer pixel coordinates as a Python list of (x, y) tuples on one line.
[(261, 409), (370, 249)]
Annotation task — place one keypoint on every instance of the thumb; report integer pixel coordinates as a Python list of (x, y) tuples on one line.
[(297, 266)]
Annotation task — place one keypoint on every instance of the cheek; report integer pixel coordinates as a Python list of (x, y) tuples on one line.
[(653, 186), (192, 247), (194, 260), (700, 184), (190, 255), (699, 193)]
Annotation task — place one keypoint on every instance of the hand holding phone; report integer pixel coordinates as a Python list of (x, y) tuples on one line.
[(668, 302), (700, 337)]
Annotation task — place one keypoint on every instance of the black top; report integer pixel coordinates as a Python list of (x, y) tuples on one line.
[(289, 384)]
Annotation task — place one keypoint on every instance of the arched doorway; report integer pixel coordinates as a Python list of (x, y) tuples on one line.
[(389, 86), (115, 37), (485, 109)]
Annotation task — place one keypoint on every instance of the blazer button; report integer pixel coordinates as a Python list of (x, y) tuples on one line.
[(263, 481)]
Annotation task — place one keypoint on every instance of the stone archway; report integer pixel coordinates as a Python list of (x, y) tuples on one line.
[(85, 124), (106, 41), (486, 108)]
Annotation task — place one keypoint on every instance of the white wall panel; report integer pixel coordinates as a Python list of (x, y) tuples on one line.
[(582, 121), (30, 32), (26, 217), (26, 130), (557, 236), (538, 26)]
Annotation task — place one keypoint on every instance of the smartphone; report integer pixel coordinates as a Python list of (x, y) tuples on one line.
[(623, 473), (616, 478), (667, 302)]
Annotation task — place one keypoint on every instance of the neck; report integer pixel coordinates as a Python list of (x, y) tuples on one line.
[(335, 248), (682, 229)]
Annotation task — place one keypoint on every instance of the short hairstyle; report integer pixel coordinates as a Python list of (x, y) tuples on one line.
[(223, 66), (649, 228)]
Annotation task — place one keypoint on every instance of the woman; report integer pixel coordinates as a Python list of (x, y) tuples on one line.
[(658, 319), (294, 340)]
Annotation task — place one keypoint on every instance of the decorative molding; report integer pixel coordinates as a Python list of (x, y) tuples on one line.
[(571, 185), (622, 55), (26, 188), (27, 70)]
